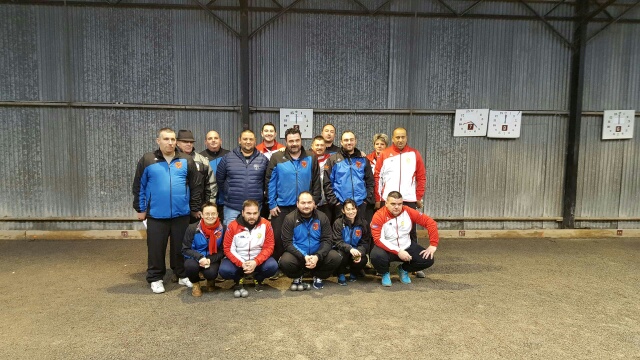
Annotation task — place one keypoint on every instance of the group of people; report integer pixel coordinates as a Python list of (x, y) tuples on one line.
[(259, 211)]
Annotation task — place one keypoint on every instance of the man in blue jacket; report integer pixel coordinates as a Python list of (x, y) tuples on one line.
[(241, 175), (214, 153), (290, 173), (166, 190), (306, 235), (348, 175)]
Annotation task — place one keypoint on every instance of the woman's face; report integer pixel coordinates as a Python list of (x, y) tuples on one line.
[(379, 145), (210, 215), (350, 211)]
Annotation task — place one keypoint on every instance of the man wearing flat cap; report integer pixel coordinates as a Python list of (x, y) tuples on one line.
[(184, 143)]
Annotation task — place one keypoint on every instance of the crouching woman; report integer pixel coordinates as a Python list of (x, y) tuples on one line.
[(351, 238), (202, 249)]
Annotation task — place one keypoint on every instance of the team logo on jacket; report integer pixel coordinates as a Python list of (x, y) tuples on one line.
[(358, 164), (358, 232), (256, 167), (315, 226), (178, 165), (303, 163), (259, 236)]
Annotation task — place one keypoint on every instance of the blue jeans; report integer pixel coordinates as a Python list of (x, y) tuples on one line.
[(229, 270), (229, 215)]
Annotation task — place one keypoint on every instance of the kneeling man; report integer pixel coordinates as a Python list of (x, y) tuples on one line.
[(248, 245), (390, 230), (306, 237)]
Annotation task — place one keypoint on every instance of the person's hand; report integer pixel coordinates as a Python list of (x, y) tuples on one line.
[(249, 266), (404, 256), (357, 256), (420, 203), (282, 149), (428, 252), (204, 262), (196, 214), (142, 215), (311, 261), (275, 211), (377, 205)]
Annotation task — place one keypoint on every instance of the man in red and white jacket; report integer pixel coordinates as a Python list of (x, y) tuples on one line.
[(390, 230), (248, 245)]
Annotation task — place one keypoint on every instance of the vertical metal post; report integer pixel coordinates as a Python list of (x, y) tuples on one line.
[(244, 62), (575, 114)]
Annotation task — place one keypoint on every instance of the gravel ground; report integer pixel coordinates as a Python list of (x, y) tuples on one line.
[(483, 299)]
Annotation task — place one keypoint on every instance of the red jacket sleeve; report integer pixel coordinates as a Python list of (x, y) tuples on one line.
[(267, 246), (420, 176), (232, 229), (426, 222), (376, 176), (376, 229)]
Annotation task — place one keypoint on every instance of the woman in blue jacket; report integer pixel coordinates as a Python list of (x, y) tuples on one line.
[(202, 249), (351, 238)]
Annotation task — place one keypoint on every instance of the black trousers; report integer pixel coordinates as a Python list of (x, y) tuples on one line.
[(276, 224), (192, 268), (380, 259), (294, 268), (159, 232), (413, 234), (347, 260)]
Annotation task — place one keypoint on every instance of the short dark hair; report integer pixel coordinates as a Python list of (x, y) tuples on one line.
[(292, 131), (304, 192), (165, 129), (250, 202), (317, 138), (349, 201), (395, 195), (267, 124), (209, 204), (249, 131), (348, 132), (329, 124)]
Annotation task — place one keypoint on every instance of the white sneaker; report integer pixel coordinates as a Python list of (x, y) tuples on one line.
[(185, 281), (157, 287)]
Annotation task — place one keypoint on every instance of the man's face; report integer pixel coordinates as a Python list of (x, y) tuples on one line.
[(328, 133), (400, 138), (213, 141), (185, 146), (247, 142), (318, 147), (250, 214), (306, 204), (210, 215), (348, 142), (268, 133), (394, 206), (167, 142), (294, 143)]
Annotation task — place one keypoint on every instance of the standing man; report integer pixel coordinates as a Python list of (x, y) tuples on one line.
[(290, 173), (166, 190), (248, 245), (267, 147), (348, 175), (209, 186), (329, 134), (306, 234), (390, 229), (318, 150), (400, 168), (214, 153), (241, 175)]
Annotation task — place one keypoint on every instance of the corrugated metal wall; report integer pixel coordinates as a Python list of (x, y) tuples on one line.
[(81, 160)]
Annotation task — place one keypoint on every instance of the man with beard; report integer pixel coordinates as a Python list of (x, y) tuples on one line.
[(306, 235), (290, 173), (248, 245), (185, 142), (214, 153), (241, 175)]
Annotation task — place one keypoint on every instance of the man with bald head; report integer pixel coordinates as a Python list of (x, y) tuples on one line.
[(214, 153), (400, 168)]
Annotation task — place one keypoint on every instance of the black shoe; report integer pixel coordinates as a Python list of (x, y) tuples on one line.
[(174, 278), (257, 285)]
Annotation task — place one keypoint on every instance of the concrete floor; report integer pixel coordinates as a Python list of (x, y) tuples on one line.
[(483, 299)]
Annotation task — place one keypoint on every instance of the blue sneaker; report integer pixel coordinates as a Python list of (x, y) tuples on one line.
[(352, 277), (386, 279), (404, 276), (342, 280), (317, 283)]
